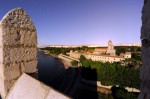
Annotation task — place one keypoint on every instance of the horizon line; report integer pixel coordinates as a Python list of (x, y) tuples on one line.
[(69, 45)]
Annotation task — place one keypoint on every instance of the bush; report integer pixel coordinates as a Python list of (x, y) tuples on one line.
[(74, 63), (82, 59)]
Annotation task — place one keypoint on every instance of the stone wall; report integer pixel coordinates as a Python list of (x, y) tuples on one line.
[(145, 37), (18, 48)]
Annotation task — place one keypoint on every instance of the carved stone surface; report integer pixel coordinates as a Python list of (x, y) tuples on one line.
[(18, 48)]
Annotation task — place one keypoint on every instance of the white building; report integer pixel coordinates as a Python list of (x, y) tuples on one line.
[(106, 50), (106, 58), (127, 55), (102, 54)]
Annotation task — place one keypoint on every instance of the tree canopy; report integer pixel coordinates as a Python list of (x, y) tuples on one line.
[(115, 74), (82, 59), (74, 63)]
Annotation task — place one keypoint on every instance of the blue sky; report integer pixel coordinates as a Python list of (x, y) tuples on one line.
[(78, 22)]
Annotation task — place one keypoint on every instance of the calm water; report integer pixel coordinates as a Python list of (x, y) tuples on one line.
[(52, 72), (49, 68)]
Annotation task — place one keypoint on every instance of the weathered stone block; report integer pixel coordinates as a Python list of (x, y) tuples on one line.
[(1, 43), (17, 28), (1, 55), (11, 39), (18, 48), (20, 54), (12, 71), (18, 18), (28, 38), (29, 67), (20, 37)]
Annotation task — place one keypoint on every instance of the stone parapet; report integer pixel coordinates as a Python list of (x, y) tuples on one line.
[(34, 90), (18, 48)]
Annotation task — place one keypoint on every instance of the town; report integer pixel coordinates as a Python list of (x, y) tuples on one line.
[(113, 64), (125, 55)]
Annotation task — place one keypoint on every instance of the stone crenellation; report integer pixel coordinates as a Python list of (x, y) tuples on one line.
[(18, 29), (18, 48)]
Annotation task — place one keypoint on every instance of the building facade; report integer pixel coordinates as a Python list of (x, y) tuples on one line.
[(103, 54), (106, 50), (106, 58)]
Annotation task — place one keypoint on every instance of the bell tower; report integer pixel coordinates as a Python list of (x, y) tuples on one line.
[(110, 49)]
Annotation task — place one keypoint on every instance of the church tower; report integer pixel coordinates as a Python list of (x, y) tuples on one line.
[(110, 49), (110, 45)]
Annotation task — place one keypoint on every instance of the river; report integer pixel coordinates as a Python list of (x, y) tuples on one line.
[(52, 72), (49, 68)]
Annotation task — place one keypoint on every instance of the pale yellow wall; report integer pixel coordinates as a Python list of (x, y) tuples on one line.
[(98, 57)]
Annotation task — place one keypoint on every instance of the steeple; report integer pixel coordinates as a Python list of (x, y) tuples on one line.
[(110, 42), (110, 49)]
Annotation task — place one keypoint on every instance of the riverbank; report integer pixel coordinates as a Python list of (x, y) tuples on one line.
[(67, 81), (47, 53), (106, 89), (65, 62), (100, 88)]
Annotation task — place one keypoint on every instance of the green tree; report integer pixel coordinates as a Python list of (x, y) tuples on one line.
[(120, 49), (114, 74), (136, 56), (82, 59), (74, 63)]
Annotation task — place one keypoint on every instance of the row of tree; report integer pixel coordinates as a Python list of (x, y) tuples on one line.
[(114, 73), (123, 49), (119, 49), (59, 50)]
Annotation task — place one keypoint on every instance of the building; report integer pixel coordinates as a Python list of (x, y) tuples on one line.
[(105, 54), (106, 58), (126, 54), (110, 50), (106, 50), (97, 57), (74, 54), (100, 50)]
